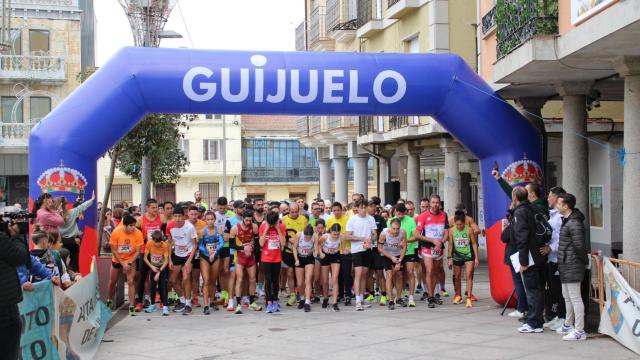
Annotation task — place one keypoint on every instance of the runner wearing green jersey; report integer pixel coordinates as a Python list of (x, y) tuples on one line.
[(463, 247), (408, 224)]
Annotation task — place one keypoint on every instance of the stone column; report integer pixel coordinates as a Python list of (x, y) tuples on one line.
[(383, 176), (341, 178), (451, 175), (629, 67), (325, 178), (413, 177), (361, 176), (575, 149)]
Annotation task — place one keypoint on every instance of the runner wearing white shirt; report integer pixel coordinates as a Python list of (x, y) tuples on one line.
[(361, 230), (184, 240)]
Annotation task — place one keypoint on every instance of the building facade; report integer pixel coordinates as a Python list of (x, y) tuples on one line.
[(40, 61), (571, 66)]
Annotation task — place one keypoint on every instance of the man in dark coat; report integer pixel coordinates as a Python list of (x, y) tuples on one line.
[(572, 261), (523, 229)]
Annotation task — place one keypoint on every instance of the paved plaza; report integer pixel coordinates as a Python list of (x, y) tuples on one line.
[(447, 332)]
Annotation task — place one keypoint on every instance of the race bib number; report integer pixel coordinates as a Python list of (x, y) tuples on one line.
[(331, 249), (435, 252), (182, 250), (273, 244), (156, 258), (461, 243), (211, 247), (304, 251), (124, 249)]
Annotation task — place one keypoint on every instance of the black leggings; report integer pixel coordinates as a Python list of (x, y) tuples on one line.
[(144, 270), (161, 284), (271, 280), (74, 251)]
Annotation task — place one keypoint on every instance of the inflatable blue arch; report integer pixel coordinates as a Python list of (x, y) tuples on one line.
[(65, 146)]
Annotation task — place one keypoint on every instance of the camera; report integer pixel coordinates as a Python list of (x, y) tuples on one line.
[(10, 216)]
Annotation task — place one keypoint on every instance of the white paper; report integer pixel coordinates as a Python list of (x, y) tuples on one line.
[(515, 261)]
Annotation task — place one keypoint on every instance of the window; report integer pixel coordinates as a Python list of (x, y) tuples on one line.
[(39, 107), (413, 45), (184, 146), (210, 192), (211, 149), (595, 204), (217, 117), (16, 41), (208, 116), (165, 192), (120, 193), (8, 102), (277, 160), (39, 42)]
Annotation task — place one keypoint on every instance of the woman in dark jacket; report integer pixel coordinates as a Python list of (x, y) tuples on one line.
[(572, 260)]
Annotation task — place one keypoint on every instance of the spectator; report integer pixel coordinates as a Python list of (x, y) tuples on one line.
[(118, 213), (572, 261), (198, 197), (13, 253), (554, 307), (69, 231), (34, 272), (48, 216)]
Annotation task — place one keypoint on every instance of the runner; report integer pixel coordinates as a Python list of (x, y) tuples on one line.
[(463, 246), (377, 265), (184, 239), (156, 257), (410, 259), (432, 230), (210, 244), (149, 222), (125, 242), (393, 246), (194, 215), (222, 214), (242, 238), (238, 207), (294, 223), (361, 229), (303, 245), (473, 227), (272, 241), (320, 229), (328, 247), (345, 279), (258, 219)]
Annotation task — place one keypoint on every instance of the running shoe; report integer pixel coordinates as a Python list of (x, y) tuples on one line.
[(213, 306), (335, 307), (369, 298), (468, 304), (347, 301), (551, 324), (245, 301), (515, 314), (206, 310), (316, 300), (146, 303), (276, 307), (383, 300), (110, 304), (424, 296), (391, 305), (150, 309), (527, 329), (269, 309), (230, 307), (238, 309), (165, 311), (132, 311), (575, 335), (307, 307), (300, 304), (444, 293), (411, 303), (195, 302), (473, 297), (292, 300), (179, 308), (400, 301), (564, 329), (359, 306), (325, 303), (457, 299), (431, 302), (138, 307), (438, 300), (255, 307), (187, 310), (419, 289)]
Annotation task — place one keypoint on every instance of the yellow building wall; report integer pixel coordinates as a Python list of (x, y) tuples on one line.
[(462, 30)]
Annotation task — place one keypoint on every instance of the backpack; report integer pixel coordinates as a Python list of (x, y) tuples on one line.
[(542, 229)]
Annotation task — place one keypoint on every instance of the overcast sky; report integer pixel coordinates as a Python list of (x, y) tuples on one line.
[(213, 24)]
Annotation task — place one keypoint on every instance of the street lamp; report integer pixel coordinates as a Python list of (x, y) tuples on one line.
[(169, 34)]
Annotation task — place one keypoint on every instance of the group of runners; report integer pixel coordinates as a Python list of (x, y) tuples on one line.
[(328, 253)]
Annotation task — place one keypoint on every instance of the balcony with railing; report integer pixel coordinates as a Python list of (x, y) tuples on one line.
[(396, 9), (315, 125), (518, 21), (302, 126), (489, 21), (377, 129), (318, 39), (300, 34), (338, 25), (45, 69), (369, 21), (15, 134)]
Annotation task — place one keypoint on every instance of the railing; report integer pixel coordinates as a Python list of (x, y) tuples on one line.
[(629, 270), (520, 20), (302, 126), (367, 125), (44, 4), (280, 174), (32, 67), (489, 20), (332, 18), (16, 133), (397, 122), (315, 125), (390, 3), (300, 33), (365, 11)]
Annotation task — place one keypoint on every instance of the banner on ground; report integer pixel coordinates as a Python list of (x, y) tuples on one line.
[(63, 324), (37, 312), (620, 317)]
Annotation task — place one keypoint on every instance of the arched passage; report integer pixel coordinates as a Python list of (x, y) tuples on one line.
[(66, 145)]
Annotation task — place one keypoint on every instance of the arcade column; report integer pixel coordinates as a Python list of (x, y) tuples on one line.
[(451, 151), (360, 159), (338, 153)]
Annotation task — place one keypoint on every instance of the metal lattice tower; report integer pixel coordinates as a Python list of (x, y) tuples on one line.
[(147, 19)]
